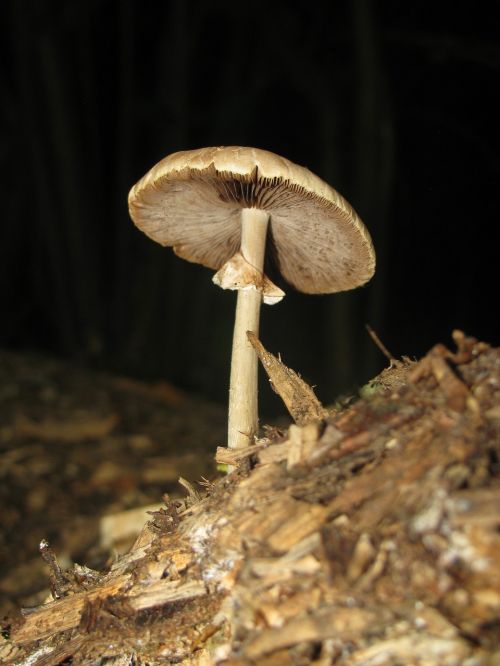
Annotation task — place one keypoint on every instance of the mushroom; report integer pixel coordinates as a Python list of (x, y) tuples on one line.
[(220, 207)]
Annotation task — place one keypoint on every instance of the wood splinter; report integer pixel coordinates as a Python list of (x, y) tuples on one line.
[(298, 396), (58, 583)]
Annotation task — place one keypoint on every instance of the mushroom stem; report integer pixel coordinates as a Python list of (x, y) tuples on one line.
[(243, 411)]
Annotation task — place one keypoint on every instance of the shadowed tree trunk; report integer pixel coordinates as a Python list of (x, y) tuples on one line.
[(52, 291), (121, 274), (75, 217), (374, 164), (161, 301)]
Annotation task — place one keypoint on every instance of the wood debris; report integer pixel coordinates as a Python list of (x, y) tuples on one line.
[(81, 427), (76, 445), (298, 396), (117, 528), (372, 538)]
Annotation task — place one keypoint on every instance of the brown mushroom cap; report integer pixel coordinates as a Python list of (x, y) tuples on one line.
[(192, 200)]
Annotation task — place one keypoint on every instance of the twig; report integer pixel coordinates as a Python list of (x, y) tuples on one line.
[(378, 342), (58, 583)]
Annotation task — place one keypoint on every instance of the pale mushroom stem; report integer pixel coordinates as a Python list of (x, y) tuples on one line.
[(243, 409)]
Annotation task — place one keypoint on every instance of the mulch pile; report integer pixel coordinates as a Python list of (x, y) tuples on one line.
[(369, 537), (77, 446)]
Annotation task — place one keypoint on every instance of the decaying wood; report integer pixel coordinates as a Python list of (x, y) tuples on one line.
[(117, 528), (298, 396), (370, 539), (81, 427)]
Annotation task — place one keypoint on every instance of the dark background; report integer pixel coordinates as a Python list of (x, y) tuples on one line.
[(396, 104)]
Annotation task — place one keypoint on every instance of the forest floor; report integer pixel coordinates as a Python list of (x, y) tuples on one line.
[(77, 445), (366, 535)]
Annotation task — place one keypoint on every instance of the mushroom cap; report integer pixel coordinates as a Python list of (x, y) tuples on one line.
[(192, 199)]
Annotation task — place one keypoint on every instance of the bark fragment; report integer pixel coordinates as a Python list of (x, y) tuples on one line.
[(298, 396)]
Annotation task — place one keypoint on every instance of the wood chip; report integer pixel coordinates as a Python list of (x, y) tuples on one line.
[(340, 623), (80, 427), (298, 396), (64, 613), (165, 592), (125, 525)]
